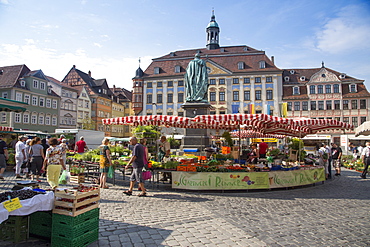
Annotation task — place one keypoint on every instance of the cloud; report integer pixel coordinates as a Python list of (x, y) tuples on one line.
[(118, 72), (4, 1), (98, 45), (348, 32)]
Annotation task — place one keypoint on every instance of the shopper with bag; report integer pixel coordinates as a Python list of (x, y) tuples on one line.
[(36, 154), (105, 163), (53, 163)]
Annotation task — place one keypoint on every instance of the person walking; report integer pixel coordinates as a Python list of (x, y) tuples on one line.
[(146, 155), (20, 155), (328, 151), (365, 156), (105, 162), (64, 146), (80, 146), (137, 161), (163, 154), (4, 156), (336, 155), (27, 151), (263, 147), (54, 163), (323, 159), (36, 158)]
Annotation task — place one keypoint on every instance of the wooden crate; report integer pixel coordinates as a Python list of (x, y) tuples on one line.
[(70, 203), (77, 179)]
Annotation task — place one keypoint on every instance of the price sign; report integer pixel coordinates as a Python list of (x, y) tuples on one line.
[(12, 204)]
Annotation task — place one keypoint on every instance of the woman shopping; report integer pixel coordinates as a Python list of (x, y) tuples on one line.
[(253, 155), (36, 154), (54, 163), (105, 163)]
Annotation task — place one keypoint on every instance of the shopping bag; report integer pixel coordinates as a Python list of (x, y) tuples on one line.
[(111, 172), (64, 178), (147, 175)]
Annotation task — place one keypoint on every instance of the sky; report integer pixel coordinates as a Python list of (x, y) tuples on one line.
[(108, 37)]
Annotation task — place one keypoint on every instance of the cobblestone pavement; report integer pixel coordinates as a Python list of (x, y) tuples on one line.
[(336, 213)]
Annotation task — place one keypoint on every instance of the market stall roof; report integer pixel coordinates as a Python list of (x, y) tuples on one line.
[(6, 129), (9, 105), (363, 129), (254, 134)]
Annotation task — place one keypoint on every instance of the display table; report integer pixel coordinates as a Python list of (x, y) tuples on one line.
[(246, 180)]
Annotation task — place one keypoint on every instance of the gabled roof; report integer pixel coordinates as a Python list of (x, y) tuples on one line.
[(52, 79), (226, 57), (123, 94), (10, 75), (38, 74)]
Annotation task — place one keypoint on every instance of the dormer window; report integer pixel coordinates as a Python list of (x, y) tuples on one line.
[(352, 88), (342, 76), (292, 72), (241, 65), (262, 64), (303, 78), (156, 70), (295, 90), (177, 69), (23, 83), (286, 78)]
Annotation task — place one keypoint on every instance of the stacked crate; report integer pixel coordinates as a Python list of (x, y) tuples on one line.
[(40, 224), (14, 229), (75, 220)]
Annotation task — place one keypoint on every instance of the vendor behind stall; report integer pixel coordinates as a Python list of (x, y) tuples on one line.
[(254, 154)]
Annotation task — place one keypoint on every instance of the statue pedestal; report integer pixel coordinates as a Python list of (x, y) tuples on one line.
[(196, 138)]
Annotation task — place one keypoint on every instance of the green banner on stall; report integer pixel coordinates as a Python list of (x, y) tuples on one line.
[(280, 179), (220, 180)]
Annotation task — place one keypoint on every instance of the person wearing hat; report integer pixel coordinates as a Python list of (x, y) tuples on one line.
[(81, 146), (3, 156)]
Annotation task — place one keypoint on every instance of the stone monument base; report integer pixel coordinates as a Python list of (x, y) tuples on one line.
[(196, 138)]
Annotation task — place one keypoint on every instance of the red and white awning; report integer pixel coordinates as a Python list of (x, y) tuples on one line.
[(254, 134), (5, 128)]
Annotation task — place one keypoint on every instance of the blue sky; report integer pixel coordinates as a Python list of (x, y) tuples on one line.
[(108, 37)]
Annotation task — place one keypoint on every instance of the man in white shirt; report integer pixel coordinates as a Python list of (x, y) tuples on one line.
[(20, 155), (365, 156)]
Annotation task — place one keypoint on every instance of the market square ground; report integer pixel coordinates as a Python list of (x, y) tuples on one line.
[(336, 213)]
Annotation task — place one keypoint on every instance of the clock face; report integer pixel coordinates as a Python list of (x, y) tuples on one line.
[(209, 70)]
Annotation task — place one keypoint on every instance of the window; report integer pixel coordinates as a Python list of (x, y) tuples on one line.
[(354, 104), (212, 82), (18, 97), (258, 94), (289, 106), (297, 106), (268, 94), (295, 90), (221, 96), (337, 118), (35, 84), (149, 85), (180, 114), (320, 89), (247, 80), (222, 112), (241, 65), (80, 103), (337, 104), (177, 69), (159, 84), (34, 100), (55, 104), (346, 119), (313, 105), (235, 95), (156, 70), (48, 103), (33, 119), (3, 117), (212, 112), (345, 105), (170, 84), (235, 80), (170, 98), (42, 102), (247, 95), (41, 120), (221, 81), (312, 89), (42, 85), (262, 64), (269, 79), (305, 106), (27, 98), (149, 98), (212, 96), (159, 98), (362, 103), (180, 83), (180, 97), (26, 118), (321, 105), (87, 104), (54, 121), (362, 119), (336, 88), (5, 95), (327, 88), (355, 121), (23, 83), (352, 88), (257, 80), (328, 105)]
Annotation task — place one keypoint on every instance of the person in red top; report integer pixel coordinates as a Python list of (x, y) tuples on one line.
[(81, 146), (263, 148)]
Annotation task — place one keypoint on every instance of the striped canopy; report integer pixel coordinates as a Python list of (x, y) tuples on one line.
[(5, 128)]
